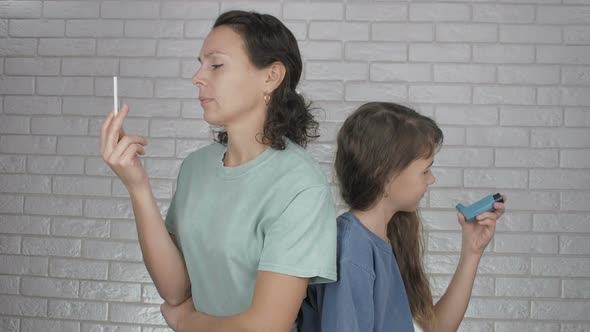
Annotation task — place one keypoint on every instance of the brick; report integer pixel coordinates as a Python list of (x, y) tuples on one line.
[(94, 28), (483, 286), (537, 75), (81, 186), (498, 309), (533, 200), (17, 85), (466, 115), (439, 53), (576, 289), (448, 198), (189, 10), (55, 165), (123, 230), (110, 291), (133, 313), (322, 90), (11, 203), (23, 265), (447, 177), (477, 178), (128, 87), (497, 137), (8, 285), (150, 68), (20, 9), (400, 32), (561, 223), (324, 50), (9, 324), (464, 73), (51, 247), (179, 128), (537, 117), (575, 75), (376, 12), (574, 245), (10, 124), (462, 157), (36, 28), (159, 29), (526, 326), (440, 94), (33, 325), (111, 250), (166, 169), (67, 47), (53, 205), (313, 11), (560, 179), (49, 287), (298, 28), (371, 52), (563, 14), (27, 144), (571, 327), (88, 327), (71, 9), (530, 34), (454, 136), (77, 310), (21, 224), (33, 184), (59, 126), (128, 271), (173, 88), (97, 166), (76, 227), (439, 12), (475, 33), (18, 46), (576, 35), (149, 294), (78, 269), (64, 86), (574, 158), (90, 67), (32, 105), (504, 54), (78, 146), (528, 244), (564, 54), (475, 325), (504, 95), (560, 267), (108, 208), (560, 137), (32, 66), (126, 47), (257, 6), (185, 146), (179, 48), (22, 306), (130, 9), (3, 28), (9, 245), (504, 13), (362, 91), (405, 72), (336, 71), (554, 310), (526, 158), (344, 31), (444, 242)]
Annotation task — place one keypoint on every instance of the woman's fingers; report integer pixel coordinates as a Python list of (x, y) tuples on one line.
[(113, 130), (124, 143), (130, 154), (103, 133)]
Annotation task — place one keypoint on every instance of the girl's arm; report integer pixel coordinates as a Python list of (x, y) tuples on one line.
[(162, 259), (450, 309)]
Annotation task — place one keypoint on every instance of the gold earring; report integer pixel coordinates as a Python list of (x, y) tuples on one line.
[(267, 99)]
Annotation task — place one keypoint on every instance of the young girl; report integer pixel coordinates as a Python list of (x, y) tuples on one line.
[(252, 220), (385, 152)]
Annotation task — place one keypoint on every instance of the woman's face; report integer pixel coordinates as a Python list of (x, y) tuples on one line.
[(407, 188), (231, 88)]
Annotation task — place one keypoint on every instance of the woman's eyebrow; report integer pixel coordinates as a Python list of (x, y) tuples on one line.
[(210, 54)]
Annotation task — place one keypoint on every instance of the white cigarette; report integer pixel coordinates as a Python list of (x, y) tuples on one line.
[(115, 96)]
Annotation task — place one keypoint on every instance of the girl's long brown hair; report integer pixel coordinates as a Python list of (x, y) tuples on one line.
[(376, 142)]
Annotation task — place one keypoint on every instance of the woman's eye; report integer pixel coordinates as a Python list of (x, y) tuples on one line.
[(216, 66)]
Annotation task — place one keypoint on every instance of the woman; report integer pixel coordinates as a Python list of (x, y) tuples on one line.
[(252, 221)]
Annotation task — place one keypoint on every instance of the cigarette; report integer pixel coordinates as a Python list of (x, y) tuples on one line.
[(115, 96)]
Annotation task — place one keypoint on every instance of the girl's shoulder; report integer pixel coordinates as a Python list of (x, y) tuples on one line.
[(353, 245)]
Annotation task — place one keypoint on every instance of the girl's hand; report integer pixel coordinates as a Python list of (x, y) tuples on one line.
[(121, 152), (478, 233), (173, 314)]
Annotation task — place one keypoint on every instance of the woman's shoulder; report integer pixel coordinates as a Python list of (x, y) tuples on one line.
[(298, 164)]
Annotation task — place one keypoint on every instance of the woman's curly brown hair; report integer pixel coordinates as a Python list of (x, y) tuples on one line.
[(267, 40)]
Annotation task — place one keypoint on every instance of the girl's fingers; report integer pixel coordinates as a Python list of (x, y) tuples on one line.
[(103, 132), (130, 153), (487, 215), (113, 130), (123, 144)]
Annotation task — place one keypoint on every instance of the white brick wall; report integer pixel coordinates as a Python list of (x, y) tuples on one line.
[(508, 81)]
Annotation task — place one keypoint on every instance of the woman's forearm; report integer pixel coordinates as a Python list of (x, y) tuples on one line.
[(162, 258)]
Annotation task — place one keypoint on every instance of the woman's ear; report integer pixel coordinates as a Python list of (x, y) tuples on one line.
[(275, 74)]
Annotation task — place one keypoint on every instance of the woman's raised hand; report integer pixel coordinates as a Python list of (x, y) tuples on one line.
[(121, 152)]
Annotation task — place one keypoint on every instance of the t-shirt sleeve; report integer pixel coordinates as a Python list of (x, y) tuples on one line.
[(302, 241), (347, 305)]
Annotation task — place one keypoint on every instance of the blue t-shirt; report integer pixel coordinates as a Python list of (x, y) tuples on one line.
[(369, 294)]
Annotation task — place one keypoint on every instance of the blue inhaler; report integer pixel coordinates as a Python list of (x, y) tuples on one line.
[(485, 204)]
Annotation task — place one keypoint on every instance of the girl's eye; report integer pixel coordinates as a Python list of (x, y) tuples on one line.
[(216, 66)]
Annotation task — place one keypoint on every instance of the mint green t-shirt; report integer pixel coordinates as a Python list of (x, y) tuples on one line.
[(274, 213)]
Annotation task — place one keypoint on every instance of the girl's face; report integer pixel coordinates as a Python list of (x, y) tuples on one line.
[(230, 86), (406, 189)]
